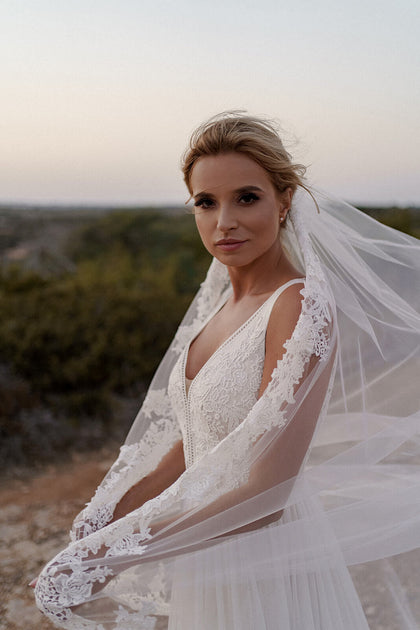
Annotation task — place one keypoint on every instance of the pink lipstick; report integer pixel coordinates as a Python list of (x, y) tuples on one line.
[(229, 244)]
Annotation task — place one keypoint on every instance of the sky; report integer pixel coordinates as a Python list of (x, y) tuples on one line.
[(99, 97)]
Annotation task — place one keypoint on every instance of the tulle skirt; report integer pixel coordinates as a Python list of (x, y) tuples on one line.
[(264, 580)]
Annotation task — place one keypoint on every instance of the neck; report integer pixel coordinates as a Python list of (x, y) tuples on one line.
[(263, 275)]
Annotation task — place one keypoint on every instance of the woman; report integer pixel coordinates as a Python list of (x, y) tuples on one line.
[(277, 443)]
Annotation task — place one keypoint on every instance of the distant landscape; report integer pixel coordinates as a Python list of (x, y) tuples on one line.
[(89, 300)]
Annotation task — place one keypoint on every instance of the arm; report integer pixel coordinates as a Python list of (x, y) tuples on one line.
[(139, 465), (167, 472)]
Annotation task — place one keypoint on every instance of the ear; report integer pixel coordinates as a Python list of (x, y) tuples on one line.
[(285, 203)]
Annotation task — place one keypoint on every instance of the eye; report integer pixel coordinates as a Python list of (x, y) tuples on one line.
[(204, 203), (248, 198)]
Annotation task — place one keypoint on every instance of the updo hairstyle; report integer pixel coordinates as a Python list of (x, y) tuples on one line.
[(236, 132)]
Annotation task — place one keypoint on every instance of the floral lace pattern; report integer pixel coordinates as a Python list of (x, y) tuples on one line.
[(226, 387), (134, 462), (212, 291)]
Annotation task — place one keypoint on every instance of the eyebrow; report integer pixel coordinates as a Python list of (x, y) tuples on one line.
[(243, 189)]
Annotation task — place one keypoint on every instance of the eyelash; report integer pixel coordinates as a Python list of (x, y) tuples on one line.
[(205, 203), (252, 197), (200, 203)]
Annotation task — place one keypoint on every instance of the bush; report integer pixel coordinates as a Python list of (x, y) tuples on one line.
[(77, 340)]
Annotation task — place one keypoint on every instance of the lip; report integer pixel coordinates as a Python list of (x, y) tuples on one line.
[(229, 244)]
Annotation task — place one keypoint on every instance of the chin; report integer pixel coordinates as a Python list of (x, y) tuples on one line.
[(234, 261)]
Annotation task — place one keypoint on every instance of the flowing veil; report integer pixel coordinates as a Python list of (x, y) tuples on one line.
[(322, 475)]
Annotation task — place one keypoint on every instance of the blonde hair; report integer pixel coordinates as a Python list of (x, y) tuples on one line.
[(237, 132)]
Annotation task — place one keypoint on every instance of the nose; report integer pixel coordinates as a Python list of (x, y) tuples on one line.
[(226, 219)]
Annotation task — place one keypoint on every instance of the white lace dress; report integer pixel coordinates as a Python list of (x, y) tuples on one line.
[(226, 387), (208, 408)]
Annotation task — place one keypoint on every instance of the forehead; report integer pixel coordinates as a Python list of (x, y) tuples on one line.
[(229, 171)]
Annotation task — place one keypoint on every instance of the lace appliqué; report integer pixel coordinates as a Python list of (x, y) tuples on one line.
[(157, 403), (134, 462), (62, 586), (129, 620), (216, 282)]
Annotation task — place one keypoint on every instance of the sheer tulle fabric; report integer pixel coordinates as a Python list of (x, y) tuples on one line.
[(322, 473)]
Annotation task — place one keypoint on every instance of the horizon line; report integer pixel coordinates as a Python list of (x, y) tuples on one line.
[(67, 205)]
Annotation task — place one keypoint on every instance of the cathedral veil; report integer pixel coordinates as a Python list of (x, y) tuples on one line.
[(323, 473)]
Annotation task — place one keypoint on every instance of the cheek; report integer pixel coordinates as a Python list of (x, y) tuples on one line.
[(267, 223), (204, 227)]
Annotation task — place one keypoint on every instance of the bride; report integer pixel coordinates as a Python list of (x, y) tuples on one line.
[(278, 442)]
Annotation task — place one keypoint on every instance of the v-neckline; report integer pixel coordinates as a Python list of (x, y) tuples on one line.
[(228, 339)]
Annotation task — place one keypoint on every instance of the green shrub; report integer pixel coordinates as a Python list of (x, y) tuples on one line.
[(78, 339)]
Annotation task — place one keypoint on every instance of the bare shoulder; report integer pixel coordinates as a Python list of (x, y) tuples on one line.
[(285, 311), (281, 324)]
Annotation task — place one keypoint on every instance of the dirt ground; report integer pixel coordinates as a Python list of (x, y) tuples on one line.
[(36, 514), (35, 517)]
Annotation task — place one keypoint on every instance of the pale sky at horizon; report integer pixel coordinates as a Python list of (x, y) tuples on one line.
[(99, 96)]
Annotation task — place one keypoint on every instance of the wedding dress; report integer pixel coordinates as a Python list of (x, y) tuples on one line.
[(280, 494), (226, 387)]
